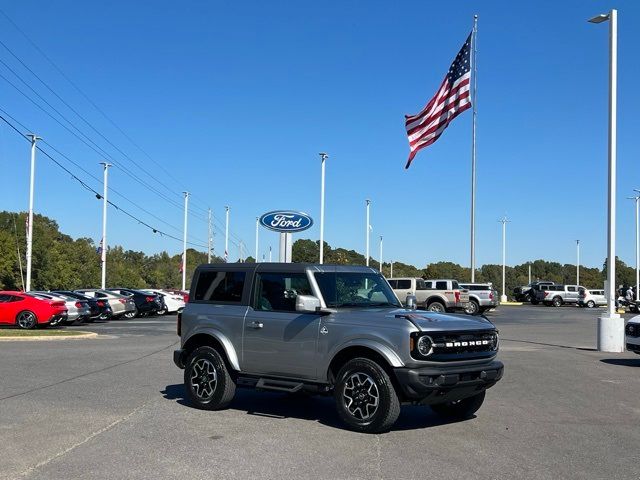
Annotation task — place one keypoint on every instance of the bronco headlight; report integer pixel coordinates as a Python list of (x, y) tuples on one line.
[(424, 345), (495, 341)]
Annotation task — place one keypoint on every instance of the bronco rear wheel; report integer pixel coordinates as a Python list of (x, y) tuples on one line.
[(365, 397), (207, 380)]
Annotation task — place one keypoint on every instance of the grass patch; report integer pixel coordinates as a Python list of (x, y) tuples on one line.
[(39, 332)]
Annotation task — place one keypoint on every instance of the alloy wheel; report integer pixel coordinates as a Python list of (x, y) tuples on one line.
[(203, 379), (361, 396), (27, 320)]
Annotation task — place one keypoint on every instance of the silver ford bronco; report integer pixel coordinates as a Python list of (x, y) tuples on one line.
[(327, 329)]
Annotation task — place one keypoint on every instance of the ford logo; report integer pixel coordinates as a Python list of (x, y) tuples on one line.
[(286, 221)]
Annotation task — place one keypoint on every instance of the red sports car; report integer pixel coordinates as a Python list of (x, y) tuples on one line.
[(25, 311)]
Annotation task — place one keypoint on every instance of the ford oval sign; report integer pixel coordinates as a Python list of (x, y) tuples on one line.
[(286, 221)]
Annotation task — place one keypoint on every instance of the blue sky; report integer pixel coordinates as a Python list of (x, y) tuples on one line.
[(233, 101)]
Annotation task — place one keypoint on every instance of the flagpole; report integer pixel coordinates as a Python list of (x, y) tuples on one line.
[(473, 147)]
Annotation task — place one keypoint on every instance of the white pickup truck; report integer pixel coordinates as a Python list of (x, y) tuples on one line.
[(433, 295)]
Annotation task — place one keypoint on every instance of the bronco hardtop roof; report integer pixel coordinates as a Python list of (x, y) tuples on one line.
[(283, 267)]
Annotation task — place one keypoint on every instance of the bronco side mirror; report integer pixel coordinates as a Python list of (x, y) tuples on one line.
[(411, 302), (307, 303)]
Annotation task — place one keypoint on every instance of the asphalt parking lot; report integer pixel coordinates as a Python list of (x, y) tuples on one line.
[(113, 408)]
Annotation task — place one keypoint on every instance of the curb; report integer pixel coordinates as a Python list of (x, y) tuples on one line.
[(44, 338), (512, 303)]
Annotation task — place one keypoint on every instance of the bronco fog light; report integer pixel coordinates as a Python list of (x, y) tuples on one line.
[(425, 345)]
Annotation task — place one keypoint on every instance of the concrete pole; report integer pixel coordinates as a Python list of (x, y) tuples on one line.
[(391, 274), (368, 229), (529, 273), (184, 242), (103, 252), (323, 157), (380, 253), (34, 139), (257, 226), (226, 235), (610, 335)]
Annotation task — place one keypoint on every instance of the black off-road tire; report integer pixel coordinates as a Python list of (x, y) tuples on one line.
[(462, 409), (207, 381), (527, 297), (362, 380)]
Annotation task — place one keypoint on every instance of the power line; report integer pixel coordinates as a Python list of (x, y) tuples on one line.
[(96, 193)]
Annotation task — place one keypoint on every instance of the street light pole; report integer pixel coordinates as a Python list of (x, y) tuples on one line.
[(380, 253), (34, 139), (323, 157), (637, 198), (103, 246), (504, 221), (184, 242), (611, 326), (578, 262), (368, 229)]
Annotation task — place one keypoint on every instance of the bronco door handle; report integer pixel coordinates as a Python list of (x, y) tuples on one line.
[(256, 324)]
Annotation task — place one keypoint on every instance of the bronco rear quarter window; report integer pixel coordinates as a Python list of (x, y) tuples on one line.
[(219, 287)]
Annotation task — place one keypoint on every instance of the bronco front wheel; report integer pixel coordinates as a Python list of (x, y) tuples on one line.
[(365, 397)]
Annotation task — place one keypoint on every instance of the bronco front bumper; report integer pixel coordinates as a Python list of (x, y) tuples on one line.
[(439, 384)]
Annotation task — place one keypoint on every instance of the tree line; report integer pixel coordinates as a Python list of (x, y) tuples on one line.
[(60, 261)]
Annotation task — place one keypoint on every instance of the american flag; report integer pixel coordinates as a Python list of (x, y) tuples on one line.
[(451, 99)]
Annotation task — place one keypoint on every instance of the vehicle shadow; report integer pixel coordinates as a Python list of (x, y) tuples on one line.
[(306, 407), (622, 362)]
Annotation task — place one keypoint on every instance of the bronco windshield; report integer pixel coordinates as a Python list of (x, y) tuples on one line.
[(355, 289)]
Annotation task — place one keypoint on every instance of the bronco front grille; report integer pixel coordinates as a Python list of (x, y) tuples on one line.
[(465, 345)]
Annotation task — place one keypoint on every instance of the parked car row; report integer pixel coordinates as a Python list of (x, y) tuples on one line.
[(446, 295), (73, 307), (555, 295)]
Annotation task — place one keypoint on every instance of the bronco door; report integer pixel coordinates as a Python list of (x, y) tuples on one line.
[(278, 341)]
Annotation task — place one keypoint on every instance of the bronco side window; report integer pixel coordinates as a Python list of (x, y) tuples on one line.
[(278, 291), (219, 286)]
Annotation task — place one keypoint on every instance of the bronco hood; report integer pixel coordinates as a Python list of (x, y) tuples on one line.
[(429, 322)]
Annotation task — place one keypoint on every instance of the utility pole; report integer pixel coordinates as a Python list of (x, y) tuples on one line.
[(323, 157), (504, 221), (380, 253), (368, 229), (34, 139), (391, 274), (578, 262), (184, 242), (257, 226), (103, 246), (529, 273), (209, 238), (226, 235)]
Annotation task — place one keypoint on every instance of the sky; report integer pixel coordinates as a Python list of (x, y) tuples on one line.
[(233, 101)]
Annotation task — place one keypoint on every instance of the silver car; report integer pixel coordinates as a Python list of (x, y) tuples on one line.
[(77, 310), (591, 298), (120, 305)]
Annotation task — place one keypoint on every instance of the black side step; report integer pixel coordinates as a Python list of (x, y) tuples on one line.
[(279, 385)]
